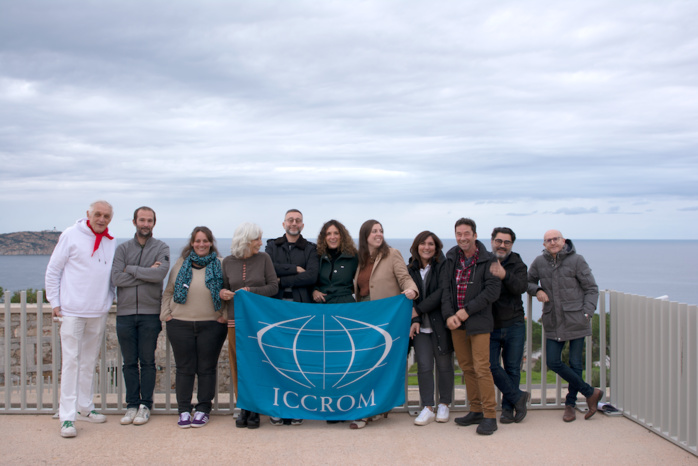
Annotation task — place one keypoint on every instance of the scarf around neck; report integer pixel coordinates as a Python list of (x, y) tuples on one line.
[(98, 237), (213, 277)]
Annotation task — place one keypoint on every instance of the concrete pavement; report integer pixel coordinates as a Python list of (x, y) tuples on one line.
[(542, 438)]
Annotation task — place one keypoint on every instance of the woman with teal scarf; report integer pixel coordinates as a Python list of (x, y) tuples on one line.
[(196, 322)]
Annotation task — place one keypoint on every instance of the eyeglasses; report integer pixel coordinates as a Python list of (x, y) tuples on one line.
[(499, 242), (552, 240), (294, 220)]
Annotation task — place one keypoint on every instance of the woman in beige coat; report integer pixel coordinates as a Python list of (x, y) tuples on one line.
[(382, 273)]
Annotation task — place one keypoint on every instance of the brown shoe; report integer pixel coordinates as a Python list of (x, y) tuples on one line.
[(592, 403), (570, 414)]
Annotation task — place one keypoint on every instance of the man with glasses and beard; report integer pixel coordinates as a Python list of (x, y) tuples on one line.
[(296, 264), (569, 294), (509, 334)]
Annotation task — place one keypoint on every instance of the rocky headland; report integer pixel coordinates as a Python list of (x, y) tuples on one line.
[(26, 243)]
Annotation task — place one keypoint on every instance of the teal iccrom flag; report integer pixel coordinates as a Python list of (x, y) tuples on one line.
[(321, 361)]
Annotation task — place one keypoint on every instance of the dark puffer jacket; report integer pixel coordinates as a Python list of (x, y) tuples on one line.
[(571, 289), (428, 303)]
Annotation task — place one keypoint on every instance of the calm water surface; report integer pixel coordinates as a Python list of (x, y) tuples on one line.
[(646, 267)]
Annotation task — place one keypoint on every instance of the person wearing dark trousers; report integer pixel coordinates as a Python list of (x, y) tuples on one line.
[(296, 264), (431, 338), (139, 268), (509, 334), (196, 324), (561, 279)]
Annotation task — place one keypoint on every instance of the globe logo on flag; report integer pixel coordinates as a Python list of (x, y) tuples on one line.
[(321, 351)]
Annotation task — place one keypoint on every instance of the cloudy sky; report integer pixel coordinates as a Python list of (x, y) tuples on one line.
[(580, 116)]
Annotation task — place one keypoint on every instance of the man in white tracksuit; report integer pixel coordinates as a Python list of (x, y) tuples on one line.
[(78, 286)]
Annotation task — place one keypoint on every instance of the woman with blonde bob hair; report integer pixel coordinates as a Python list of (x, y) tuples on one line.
[(249, 269)]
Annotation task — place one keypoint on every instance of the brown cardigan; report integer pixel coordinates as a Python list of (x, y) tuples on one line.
[(388, 278)]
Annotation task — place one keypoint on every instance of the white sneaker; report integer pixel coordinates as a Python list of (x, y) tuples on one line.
[(92, 416), (142, 416), (442, 414), (425, 417), (68, 429), (128, 417)]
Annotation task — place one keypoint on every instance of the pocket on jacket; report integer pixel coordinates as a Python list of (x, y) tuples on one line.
[(572, 306), (575, 320)]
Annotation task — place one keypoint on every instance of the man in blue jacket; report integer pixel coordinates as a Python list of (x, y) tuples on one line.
[(139, 268), (296, 264)]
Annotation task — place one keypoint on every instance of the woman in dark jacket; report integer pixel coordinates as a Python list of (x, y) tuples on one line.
[(338, 262), (430, 336)]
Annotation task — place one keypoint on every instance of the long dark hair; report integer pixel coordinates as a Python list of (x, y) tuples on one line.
[(206, 231), (419, 239), (346, 243), (364, 254)]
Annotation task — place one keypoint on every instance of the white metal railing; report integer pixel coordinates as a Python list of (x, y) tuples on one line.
[(27, 388), (654, 350), (653, 376)]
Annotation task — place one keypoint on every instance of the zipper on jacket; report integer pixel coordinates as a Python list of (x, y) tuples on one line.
[(140, 257)]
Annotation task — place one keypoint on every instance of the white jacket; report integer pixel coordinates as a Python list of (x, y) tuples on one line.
[(77, 280)]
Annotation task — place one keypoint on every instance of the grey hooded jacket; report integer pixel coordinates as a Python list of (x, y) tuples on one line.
[(138, 284), (572, 290)]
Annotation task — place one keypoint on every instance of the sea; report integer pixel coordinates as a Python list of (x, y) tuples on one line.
[(654, 268)]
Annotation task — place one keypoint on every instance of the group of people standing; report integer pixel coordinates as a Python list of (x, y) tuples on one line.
[(467, 300)]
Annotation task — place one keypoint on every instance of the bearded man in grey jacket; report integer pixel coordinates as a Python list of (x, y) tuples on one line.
[(569, 294), (139, 268)]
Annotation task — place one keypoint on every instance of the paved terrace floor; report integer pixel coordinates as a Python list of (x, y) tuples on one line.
[(542, 438)]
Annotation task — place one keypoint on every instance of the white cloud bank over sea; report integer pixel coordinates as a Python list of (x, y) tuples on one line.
[(531, 114)]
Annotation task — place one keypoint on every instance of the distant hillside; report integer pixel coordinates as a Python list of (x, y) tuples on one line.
[(24, 243)]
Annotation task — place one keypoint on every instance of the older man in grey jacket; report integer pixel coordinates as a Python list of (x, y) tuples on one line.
[(139, 268), (569, 294)]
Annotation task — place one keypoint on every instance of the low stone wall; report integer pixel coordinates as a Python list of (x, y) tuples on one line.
[(112, 351)]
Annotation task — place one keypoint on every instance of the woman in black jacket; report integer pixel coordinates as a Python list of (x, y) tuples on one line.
[(430, 336)]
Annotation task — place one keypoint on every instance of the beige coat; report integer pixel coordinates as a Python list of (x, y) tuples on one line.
[(389, 277)]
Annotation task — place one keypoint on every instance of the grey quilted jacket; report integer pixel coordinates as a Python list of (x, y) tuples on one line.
[(568, 282)]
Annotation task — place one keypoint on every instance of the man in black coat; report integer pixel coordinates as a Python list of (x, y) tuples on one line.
[(509, 334), (296, 264), (469, 289)]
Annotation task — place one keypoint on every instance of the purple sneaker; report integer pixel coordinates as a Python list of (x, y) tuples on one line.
[(184, 420), (200, 419)]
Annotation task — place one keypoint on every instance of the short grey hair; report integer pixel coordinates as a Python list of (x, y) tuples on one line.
[(243, 236), (92, 206)]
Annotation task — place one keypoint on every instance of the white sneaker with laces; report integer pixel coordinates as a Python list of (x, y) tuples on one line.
[(442, 414), (425, 417), (129, 416), (142, 416), (92, 416)]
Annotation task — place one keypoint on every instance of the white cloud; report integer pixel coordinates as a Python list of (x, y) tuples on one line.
[(400, 110)]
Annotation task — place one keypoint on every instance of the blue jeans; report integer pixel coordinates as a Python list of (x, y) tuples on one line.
[(509, 342), (572, 374), (138, 338)]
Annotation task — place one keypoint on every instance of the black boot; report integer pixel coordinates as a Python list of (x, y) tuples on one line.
[(242, 419), (253, 421)]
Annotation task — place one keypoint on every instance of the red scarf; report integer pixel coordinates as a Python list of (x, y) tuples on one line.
[(99, 236)]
